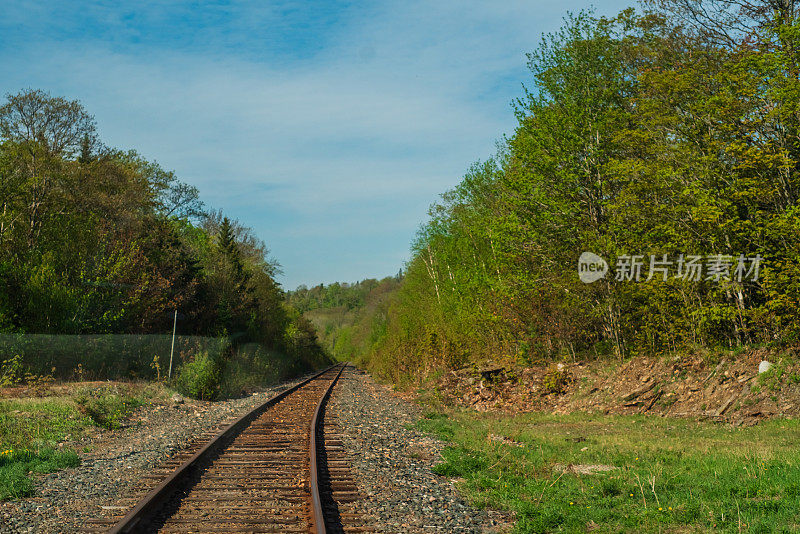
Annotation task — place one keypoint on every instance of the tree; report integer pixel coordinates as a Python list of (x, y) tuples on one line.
[(663, 133), (61, 127)]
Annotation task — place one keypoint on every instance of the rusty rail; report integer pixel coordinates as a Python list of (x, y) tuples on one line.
[(316, 501)]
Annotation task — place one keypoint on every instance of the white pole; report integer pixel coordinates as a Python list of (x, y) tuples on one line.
[(172, 350)]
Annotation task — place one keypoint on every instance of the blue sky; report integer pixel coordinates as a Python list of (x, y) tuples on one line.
[(327, 127)]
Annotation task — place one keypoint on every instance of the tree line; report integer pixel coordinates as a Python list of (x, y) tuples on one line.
[(350, 319), (98, 240), (665, 133), (338, 294)]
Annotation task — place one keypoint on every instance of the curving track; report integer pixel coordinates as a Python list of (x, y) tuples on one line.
[(276, 469)]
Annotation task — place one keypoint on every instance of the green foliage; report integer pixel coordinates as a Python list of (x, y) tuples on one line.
[(200, 378), (12, 371), (638, 134), (773, 379), (458, 461), (336, 295), (107, 407), (555, 380), (95, 240), (350, 320), (34, 432)]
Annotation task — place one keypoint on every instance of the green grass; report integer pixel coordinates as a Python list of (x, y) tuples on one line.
[(39, 423), (29, 433), (16, 465), (32, 429), (672, 475)]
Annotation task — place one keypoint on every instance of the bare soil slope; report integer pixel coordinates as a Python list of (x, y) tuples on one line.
[(729, 389)]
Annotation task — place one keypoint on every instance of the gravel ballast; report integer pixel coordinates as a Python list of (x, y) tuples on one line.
[(391, 464)]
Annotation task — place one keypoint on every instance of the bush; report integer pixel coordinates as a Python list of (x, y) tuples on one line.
[(556, 380), (12, 372), (199, 379), (106, 407)]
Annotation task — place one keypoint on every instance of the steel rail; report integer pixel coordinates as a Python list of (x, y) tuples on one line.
[(154, 499), (318, 514)]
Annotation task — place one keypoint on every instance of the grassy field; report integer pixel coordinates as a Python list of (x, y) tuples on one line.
[(31, 429), (665, 475)]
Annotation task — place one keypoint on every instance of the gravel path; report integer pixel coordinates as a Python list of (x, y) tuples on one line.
[(112, 471), (391, 464)]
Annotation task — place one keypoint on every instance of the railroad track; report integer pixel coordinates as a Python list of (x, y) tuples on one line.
[(279, 468)]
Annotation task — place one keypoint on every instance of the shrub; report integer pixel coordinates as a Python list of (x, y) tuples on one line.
[(199, 379), (773, 379), (555, 380), (106, 407), (12, 371)]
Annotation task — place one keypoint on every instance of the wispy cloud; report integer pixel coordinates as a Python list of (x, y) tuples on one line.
[(326, 127)]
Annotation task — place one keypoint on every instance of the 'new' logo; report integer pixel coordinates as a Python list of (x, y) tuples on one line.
[(591, 267)]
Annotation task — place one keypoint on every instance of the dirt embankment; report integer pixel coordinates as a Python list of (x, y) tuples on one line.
[(729, 389)]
